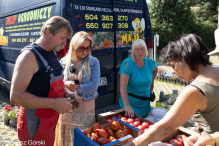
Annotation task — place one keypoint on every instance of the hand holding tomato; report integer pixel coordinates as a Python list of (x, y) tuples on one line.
[(181, 138), (175, 142)]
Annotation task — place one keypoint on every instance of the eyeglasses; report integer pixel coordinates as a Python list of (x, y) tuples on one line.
[(81, 49)]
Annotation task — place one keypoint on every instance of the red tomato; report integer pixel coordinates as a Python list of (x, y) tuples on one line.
[(138, 119), (132, 124), (94, 138), (102, 140), (123, 118), (111, 139), (141, 127), (102, 133), (181, 138), (94, 134), (112, 117), (119, 134), (102, 127), (175, 142), (125, 115), (109, 120), (111, 132), (88, 135), (146, 124), (95, 126), (136, 123), (84, 131), (130, 120), (115, 125), (107, 128), (127, 131), (125, 121), (119, 116)]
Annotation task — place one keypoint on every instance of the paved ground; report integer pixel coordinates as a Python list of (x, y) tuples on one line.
[(8, 135)]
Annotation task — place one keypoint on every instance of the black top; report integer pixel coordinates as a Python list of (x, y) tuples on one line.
[(40, 83)]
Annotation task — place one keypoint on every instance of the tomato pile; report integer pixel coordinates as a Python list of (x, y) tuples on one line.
[(103, 135), (178, 141), (136, 122)]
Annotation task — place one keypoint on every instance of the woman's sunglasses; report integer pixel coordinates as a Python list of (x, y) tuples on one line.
[(81, 49)]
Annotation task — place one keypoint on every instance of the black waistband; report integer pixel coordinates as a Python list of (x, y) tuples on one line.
[(139, 97), (151, 98)]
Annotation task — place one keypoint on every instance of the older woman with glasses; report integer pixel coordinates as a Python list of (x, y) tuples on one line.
[(81, 75), (137, 75)]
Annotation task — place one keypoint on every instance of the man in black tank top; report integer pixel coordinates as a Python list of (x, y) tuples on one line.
[(37, 84)]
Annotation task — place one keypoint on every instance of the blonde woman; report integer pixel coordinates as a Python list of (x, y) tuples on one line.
[(79, 65), (137, 75)]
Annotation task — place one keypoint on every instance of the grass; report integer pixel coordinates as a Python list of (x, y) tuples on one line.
[(8, 138), (16, 140), (9, 129), (3, 144), (4, 133), (12, 134)]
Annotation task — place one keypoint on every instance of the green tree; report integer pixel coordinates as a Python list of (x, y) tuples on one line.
[(207, 12), (172, 18)]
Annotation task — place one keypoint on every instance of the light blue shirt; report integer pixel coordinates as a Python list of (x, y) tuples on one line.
[(139, 84), (88, 89)]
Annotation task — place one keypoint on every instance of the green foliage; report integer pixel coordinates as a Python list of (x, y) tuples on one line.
[(172, 18), (207, 13)]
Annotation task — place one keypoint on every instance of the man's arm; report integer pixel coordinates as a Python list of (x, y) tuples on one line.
[(25, 67)]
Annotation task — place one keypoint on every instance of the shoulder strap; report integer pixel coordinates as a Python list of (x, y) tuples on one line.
[(198, 89), (48, 68)]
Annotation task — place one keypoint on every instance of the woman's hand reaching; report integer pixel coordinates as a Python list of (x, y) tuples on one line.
[(129, 111)]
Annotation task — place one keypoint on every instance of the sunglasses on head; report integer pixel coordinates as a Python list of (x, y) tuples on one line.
[(81, 49)]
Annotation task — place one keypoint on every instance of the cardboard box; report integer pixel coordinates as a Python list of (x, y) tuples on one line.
[(80, 139), (180, 130), (102, 117)]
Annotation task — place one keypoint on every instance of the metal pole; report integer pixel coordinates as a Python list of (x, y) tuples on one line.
[(155, 48)]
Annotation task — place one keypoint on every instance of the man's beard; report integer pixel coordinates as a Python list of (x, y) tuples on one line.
[(59, 46)]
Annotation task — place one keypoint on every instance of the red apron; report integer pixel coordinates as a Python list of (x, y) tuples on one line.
[(45, 134)]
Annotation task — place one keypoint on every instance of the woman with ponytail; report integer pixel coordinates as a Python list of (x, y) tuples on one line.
[(81, 75)]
